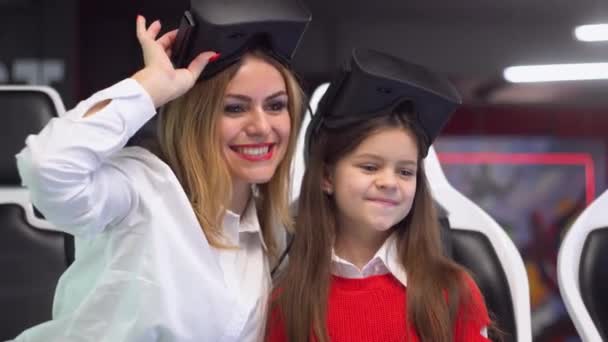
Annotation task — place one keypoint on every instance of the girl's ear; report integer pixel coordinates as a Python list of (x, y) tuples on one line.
[(327, 182)]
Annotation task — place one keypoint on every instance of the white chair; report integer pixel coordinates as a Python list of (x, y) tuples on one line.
[(480, 244), (32, 255), (582, 271), (477, 242), (298, 166)]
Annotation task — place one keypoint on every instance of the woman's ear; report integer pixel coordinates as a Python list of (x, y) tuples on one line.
[(327, 182)]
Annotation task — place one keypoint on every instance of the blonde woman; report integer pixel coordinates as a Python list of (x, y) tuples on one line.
[(175, 245)]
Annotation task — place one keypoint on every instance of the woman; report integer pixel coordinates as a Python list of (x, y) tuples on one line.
[(177, 245)]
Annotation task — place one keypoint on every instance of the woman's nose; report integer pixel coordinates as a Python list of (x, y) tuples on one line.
[(258, 123)]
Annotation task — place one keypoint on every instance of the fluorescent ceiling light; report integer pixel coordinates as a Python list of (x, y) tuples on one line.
[(556, 72), (592, 33)]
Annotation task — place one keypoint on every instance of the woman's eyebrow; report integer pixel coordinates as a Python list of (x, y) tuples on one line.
[(248, 99), (239, 97), (277, 94)]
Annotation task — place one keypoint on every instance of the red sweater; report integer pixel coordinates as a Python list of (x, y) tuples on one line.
[(373, 309)]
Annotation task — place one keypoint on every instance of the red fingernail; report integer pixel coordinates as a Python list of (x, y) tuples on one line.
[(214, 57)]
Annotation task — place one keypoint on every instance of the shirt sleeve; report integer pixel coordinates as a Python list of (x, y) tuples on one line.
[(64, 165)]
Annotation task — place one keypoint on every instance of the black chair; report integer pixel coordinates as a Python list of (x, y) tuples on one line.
[(582, 273), (32, 254)]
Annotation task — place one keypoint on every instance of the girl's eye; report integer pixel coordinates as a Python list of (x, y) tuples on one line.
[(407, 173), (368, 167), (277, 106), (234, 108)]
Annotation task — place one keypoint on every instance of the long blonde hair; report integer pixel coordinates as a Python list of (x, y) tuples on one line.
[(189, 141)]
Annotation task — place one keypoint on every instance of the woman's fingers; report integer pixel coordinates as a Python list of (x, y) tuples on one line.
[(199, 63), (154, 29), (167, 39), (140, 27), (149, 34), (154, 51), (159, 77)]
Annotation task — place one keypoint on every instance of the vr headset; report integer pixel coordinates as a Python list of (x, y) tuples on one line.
[(233, 27), (374, 84)]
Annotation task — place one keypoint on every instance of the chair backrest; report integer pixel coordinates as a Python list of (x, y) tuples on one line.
[(481, 245), (298, 165), (581, 271), (32, 255), (475, 240)]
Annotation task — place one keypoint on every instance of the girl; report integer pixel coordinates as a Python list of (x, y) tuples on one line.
[(173, 246), (366, 261)]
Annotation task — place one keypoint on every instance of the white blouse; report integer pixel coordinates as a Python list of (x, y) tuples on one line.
[(143, 270)]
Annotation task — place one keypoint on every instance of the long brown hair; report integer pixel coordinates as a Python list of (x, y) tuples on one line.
[(188, 136), (302, 289)]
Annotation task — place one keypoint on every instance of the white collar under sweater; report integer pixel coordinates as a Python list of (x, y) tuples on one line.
[(384, 261)]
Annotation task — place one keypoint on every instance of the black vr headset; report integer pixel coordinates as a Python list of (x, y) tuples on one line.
[(233, 27), (375, 84)]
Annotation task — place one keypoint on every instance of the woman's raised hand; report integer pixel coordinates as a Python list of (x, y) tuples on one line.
[(159, 78)]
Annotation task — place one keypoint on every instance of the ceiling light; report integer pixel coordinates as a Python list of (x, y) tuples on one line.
[(556, 72), (592, 33)]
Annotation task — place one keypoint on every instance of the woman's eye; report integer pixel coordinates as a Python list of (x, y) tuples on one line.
[(277, 106), (234, 108)]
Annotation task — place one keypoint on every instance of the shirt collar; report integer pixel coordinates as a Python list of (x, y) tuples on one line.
[(235, 224), (386, 260)]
